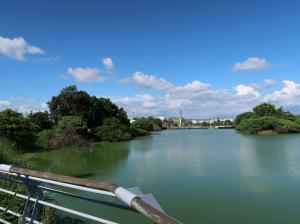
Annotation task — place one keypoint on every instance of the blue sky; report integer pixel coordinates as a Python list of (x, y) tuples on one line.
[(207, 58)]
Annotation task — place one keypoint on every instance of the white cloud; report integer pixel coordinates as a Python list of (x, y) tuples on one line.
[(196, 99), (124, 80), (4, 104), (17, 48), (151, 81), (288, 96), (109, 65), (193, 87), (251, 64), (86, 75), (140, 104), (244, 90), (27, 108), (268, 83)]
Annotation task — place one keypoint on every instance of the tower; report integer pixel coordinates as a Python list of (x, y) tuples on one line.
[(180, 119)]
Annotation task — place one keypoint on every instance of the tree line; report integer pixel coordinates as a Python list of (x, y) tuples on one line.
[(74, 118), (266, 118)]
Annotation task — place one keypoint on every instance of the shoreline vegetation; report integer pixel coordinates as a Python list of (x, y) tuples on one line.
[(75, 118), (266, 119)]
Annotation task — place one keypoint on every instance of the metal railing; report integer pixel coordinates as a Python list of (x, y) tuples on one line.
[(38, 183)]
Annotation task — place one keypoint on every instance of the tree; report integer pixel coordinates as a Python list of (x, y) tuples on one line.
[(70, 131), (102, 108), (267, 118), (70, 102), (244, 116), (41, 120), (265, 109), (17, 129), (93, 110), (113, 130), (75, 122)]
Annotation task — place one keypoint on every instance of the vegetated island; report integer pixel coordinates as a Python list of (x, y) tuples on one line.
[(266, 119)]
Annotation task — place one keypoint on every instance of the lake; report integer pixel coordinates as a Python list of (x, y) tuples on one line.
[(198, 176)]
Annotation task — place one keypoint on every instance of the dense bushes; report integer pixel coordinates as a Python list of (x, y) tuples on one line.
[(265, 117), (17, 129), (74, 118), (148, 124), (112, 130)]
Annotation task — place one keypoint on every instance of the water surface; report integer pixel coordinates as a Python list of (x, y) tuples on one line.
[(198, 176)]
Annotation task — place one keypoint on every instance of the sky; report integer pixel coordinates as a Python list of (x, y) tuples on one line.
[(207, 58)]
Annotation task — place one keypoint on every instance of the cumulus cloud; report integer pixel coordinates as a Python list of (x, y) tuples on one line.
[(140, 104), (27, 108), (4, 104), (251, 64), (244, 90), (288, 95), (86, 75), (266, 84), (151, 81), (17, 48), (109, 65), (195, 99)]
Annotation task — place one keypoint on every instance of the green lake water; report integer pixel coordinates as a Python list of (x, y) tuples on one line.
[(198, 176)]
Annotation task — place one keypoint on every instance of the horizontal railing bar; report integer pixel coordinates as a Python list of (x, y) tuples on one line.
[(76, 196), (121, 193), (87, 198), (68, 210), (18, 215), (91, 190)]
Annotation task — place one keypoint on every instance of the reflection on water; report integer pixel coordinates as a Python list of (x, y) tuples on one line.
[(198, 176)]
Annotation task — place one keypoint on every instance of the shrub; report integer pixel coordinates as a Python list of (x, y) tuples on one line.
[(41, 120), (112, 130), (17, 129), (148, 124), (45, 139), (265, 109), (72, 122), (70, 131)]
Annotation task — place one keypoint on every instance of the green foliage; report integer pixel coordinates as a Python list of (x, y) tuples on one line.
[(70, 131), (266, 117), (265, 109), (228, 123), (92, 110), (41, 120), (70, 102), (72, 122), (135, 132), (244, 116), (148, 124), (112, 130), (17, 129), (45, 138)]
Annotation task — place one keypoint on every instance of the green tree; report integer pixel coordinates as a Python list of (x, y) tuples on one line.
[(70, 131), (17, 129), (93, 110), (70, 102), (102, 108), (265, 109), (75, 122), (244, 116), (41, 120), (113, 130)]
